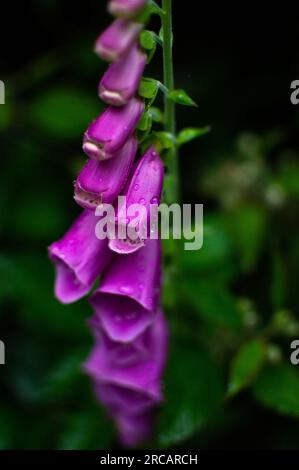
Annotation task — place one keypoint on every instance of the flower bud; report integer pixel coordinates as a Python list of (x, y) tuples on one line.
[(125, 8), (114, 42), (101, 182), (120, 82), (110, 131)]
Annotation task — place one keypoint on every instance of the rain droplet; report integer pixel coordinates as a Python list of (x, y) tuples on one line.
[(136, 187), (125, 290), (154, 200), (142, 201)]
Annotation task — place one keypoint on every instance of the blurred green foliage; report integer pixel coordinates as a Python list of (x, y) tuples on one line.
[(229, 381)]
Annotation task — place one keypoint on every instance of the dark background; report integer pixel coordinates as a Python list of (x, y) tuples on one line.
[(237, 63)]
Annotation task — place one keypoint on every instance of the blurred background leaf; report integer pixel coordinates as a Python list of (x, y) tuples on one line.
[(246, 365), (192, 401), (278, 388), (64, 112)]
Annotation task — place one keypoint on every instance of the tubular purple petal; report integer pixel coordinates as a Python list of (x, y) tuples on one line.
[(117, 399), (101, 182), (125, 8), (120, 82), (127, 378), (135, 429), (110, 131), (127, 299), (145, 189), (136, 366), (114, 42), (79, 258)]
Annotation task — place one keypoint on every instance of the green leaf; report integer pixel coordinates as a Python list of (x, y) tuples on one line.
[(181, 97), (155, 8), (147, 40), (284, 323), (87, 429), (216, 254), (32, 276), (288, 177), (194, 391), (156, 114), (8, 421), (248, 226), (212, 301), (278, 388), (32, 221), (166, 139), (65, 376), (148, 88), (191, 133), (145, 122), (246, 365), (279, 281), (53, 112), (6, 116), (161, 35)]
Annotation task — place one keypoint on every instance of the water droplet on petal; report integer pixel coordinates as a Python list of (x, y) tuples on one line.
[(125, 290), (142, 201)]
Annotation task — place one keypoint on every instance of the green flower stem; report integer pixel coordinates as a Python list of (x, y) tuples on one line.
[(172, 177), (169, 106)]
